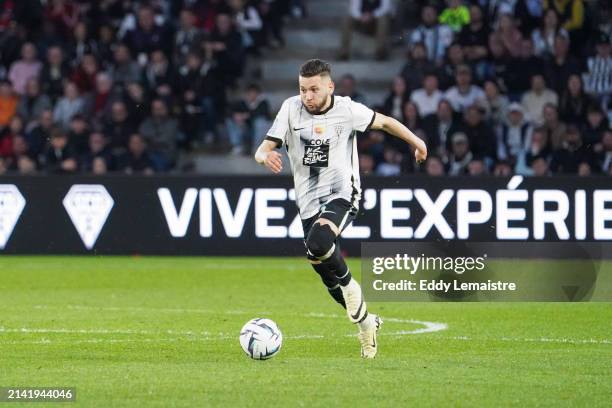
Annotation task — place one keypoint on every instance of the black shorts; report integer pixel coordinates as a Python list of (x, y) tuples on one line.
[(338, 211)]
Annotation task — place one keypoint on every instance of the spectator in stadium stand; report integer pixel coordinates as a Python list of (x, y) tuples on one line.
[(495, 104), (136, 101), (40, 132), (366, 164), (533, 101), (137, 159), (21, 161), (529, 13), (477, 167), (60, 157), (508, 35), (540, 167), (187, 37), (26, 68), (373, 144), (224, 46), (502, 169), (15, 128), (249, 120), (598, 78), (68, 105), (446, 73), (201, 96), (522, 69), (513, 135), (8, 102), (54, 72), (100, 100), (559, 67), (147, 36), (347, 86), (497, 67), (554, 127), (78, 134), (464, 93), (162, 134), (119, 128), (460, 154), (595, 126), (158, 74), (544, 36), (97, 148), (436, 37), (81, 44), (411, 117), (440, 127), (272, 14), (395, 99), (474, 38), (368, 16), (571, 154), (456, 15), (480, 135), (106, 45), (539, 147), (390, 166), (249, 24), (605, 153), (416, 67), (2, 166), (428, 97), (63, 14), (124, 69), (434, 166), (571, 13), (84, 76), (574, 101)]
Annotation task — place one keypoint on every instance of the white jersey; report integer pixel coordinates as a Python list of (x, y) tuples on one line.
[(322, 150)]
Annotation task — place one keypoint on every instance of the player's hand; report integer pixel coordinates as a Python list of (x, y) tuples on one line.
[(274, 162), (420, 153)]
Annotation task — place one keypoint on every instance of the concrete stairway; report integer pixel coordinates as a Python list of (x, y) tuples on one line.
[(317, 36)]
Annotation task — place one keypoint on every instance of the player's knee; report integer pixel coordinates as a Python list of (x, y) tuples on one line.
[(320, 241)]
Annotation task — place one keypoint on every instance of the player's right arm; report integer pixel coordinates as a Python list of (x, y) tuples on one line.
[(276, 137), (269, 157)]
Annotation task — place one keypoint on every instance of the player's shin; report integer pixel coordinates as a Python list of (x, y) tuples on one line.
[(330, 281)]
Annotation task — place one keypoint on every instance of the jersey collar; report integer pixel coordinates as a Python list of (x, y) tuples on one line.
[(331, 105)]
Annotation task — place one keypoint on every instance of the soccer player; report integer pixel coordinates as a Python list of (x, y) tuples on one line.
[(319, 131)]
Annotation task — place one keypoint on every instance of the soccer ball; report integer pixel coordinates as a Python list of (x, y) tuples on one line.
[(261, 339)]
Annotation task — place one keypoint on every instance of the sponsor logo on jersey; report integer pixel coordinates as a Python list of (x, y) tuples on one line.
[(316, 153)]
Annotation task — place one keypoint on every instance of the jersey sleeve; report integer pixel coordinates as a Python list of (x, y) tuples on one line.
[(363, 117), (280, 128)]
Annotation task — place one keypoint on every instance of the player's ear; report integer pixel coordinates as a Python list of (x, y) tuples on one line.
[(331, 86)]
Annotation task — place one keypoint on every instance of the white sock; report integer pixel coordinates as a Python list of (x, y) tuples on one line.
[(368, 323), (352, 285)]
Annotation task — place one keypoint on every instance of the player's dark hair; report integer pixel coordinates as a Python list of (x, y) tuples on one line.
[(315, 67)]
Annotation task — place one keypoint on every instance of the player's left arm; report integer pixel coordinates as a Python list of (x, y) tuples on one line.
[(397, 129)]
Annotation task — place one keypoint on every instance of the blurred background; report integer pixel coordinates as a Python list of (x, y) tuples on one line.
[(190, 86)]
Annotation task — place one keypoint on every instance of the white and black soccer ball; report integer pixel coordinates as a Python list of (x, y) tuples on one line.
[(261, 339)]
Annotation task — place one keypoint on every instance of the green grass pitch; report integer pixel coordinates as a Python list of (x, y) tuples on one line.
[(163, 332)]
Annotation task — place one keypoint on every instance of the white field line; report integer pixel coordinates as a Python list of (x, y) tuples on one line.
[(194, 336), (532, 340)]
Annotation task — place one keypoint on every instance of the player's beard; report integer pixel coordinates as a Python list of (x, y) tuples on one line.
[(318, 109)]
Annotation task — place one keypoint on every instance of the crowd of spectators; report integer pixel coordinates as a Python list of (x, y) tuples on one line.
[(493, 86), (122, 85), (502, 87)]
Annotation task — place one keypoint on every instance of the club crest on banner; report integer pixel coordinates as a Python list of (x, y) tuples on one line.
[(12, 204), (88, 206)]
